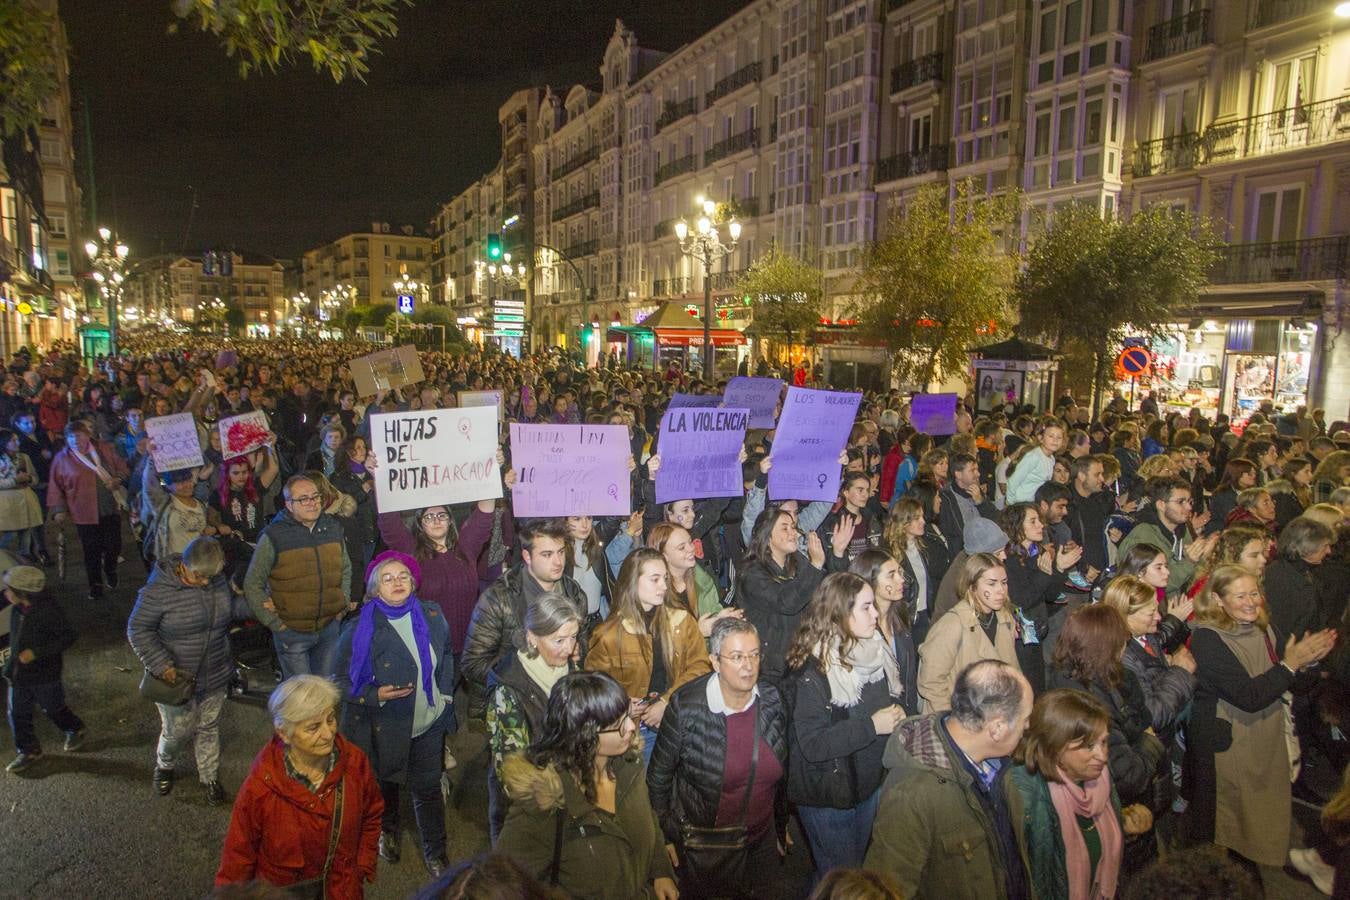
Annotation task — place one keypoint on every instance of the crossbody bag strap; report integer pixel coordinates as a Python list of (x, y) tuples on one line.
[(556, 864), (336, 831), (754, 764)]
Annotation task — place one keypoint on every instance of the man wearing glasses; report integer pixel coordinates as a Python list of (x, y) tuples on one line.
[(1165, 524), (297, 581)]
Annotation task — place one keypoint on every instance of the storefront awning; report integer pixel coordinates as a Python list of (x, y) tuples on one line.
[(676, 337)]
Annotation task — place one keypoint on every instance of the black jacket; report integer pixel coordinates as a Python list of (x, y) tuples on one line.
[(684, 777), (1087, 520), (42, 628), (774, 603), (935, 561), (1031, 590), (1291, 597), (498, 624), (835, 756), (1167, 688)]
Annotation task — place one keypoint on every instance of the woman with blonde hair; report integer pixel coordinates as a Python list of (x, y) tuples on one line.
[(905, 537), (1332, 472), (1237, 741), (980, 626), (1168, 681), (691, 586), (646, 645), (1240, 545), (847, 701)]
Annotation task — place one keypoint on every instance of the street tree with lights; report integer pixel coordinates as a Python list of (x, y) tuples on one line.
[(786, 295), (940, 280)]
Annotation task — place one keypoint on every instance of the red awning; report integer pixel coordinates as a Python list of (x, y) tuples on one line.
[(686, 337)]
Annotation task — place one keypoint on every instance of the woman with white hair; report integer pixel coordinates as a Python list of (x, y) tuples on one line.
[(308, 815), (396, 674), (179, 629)]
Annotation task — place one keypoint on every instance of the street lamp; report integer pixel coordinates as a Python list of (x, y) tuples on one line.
[(705, 244), (108, 256)]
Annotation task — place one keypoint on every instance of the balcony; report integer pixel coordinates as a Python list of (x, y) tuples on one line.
[(1178, 35), (674, 112), (726, 281), (917, 162), (577, 162), (1175, 153), (664, 229), (747, 208), (585, 248), (1271, 12), (675, 167), (1314, 259), (732, 83), (731, 146), (581, 204), (672, 287), (917, 71), (893, 5)]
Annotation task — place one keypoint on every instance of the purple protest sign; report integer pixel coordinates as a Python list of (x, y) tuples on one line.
[(812, 432), (694, 401), (759, 395), (700, 454), (933, 413), (570, 470)]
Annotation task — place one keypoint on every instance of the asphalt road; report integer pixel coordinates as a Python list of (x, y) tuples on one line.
[(88, 824)]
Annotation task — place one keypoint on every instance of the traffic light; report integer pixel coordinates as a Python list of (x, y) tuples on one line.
[(494, 246)]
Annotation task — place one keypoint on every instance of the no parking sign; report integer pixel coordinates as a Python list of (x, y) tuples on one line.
[(1134, 362)]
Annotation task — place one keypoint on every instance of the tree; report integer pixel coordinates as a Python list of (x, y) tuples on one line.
[(234, 319), (337, 36), (351, 321), (1092, 281), (786, 294), (377, 314), (939, 282)]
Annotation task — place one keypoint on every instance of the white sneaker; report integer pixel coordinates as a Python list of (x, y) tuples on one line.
[(1309, 863)]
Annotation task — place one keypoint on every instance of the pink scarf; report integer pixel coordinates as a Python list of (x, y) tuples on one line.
[(1090, 800)]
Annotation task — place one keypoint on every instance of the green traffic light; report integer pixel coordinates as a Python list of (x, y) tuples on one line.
[(494, 246)]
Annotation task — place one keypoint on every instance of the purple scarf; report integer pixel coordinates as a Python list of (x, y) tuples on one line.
[(360, 671)]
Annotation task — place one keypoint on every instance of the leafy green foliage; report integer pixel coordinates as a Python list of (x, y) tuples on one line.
[(29, 63), (939, 282), (338, 36), (786, 294), (1092, 281)]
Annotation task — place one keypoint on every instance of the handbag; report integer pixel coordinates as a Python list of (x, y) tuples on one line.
[(317, 888), (714, 859), (184, 687)]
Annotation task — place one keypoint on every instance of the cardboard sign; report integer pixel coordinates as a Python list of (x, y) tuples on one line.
[(694, 401), (433, 458), (812, 432), (226, 358), (177, 445), (700, 454), (570, 470), (385, 370), (484, 398), (933, 413), (243, 433), (759, 395)]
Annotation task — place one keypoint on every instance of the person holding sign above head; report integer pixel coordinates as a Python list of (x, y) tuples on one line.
[(497, 626), (296, 581)]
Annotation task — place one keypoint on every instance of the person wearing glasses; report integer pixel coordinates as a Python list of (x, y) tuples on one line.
[(1165, 522), (707, 772), (296, 582), (580, 817), (396, 671)]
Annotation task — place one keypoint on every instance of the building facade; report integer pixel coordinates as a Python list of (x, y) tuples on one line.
[(199, 290), (360, 268)]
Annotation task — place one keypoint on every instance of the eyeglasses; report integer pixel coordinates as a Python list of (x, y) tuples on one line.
[(391, 577), (619, 728), (308, 498), (435, 517), (737, 658)]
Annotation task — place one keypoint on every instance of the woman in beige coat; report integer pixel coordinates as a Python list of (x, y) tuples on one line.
[(979, 627)]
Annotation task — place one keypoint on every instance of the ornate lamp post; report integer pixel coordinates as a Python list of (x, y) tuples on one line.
[(705, 244), (108, 256)]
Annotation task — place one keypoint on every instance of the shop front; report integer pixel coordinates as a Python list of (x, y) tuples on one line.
[(671, 334), (850, 361)]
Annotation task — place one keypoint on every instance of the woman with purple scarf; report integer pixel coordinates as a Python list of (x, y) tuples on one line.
[(396, 674)]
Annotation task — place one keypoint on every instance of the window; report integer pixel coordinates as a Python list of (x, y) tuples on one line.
[(1092, 122), (1291, 85), (1073, 21), (56, 222), (1179, 110), (54, 188), (920, 132), (51, 149), (1101, 14), (1067, 121), (1276, 217), (1041, 133), (1048, 31)]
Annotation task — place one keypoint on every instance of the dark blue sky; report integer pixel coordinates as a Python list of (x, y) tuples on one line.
[(281, 163)]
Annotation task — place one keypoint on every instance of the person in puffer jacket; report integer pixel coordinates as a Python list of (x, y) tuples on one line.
[(1168, 681), (179, 629)]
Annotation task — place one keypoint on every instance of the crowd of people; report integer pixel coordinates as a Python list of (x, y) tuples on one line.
[(1048, 655)]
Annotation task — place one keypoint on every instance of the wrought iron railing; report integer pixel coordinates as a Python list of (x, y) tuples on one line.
[(1313, 259), (665, 228), (917, 162), (581, 204), (735, 81), (674, 112), (917, 71), (585, 248), (671, 287), (675, 167), (728, 146), (1270, 12), (1178, 35), (725, 281), (577, 162)]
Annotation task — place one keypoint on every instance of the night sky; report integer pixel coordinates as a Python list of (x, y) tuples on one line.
[(285, 162)]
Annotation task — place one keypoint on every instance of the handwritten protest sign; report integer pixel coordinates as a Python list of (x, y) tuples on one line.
[(483, 398), (243, 433), (570, 470), (812, 432), (385, 370), (933, 413), (759, 395), (176, 444), (694, 401), (226, 358), (700, 454), (433, 457)]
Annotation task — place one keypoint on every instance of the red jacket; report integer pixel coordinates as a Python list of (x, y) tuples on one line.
[(72, 487), (53, 411), (279, 830)]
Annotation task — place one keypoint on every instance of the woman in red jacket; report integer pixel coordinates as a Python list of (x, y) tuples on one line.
[(306, 777)]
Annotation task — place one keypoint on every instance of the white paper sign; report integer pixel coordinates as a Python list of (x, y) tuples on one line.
[(439, 456), (177, 445), (484, 398), (243, 433)]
